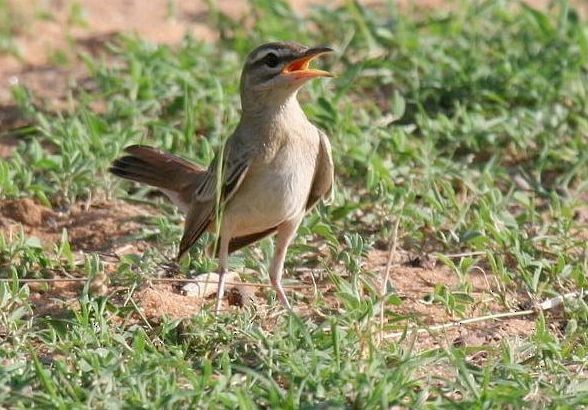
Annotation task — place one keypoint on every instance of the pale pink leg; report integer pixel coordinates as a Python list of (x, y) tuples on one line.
[(284, 236)]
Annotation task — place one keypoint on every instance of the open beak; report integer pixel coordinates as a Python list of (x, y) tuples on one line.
[(299, 68)]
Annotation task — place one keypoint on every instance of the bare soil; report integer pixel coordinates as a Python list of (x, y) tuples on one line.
[(98, 227), (415, 285), (108, 228)]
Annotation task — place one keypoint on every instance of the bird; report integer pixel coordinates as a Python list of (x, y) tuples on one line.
[(274, 168)]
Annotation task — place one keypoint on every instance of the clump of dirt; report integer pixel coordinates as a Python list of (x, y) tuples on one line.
[(164, 301), (98, 227), (26, 211)]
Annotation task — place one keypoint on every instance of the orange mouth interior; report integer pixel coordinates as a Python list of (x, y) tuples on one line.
[(300, 67), (300, 64)]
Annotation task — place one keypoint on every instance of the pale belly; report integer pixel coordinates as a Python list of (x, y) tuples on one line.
[(272, 193)]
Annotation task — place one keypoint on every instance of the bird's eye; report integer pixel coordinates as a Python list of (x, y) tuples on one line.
[(271, 60)]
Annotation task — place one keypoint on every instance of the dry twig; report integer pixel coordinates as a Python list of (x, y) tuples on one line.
[(164, 280), (544, 306)]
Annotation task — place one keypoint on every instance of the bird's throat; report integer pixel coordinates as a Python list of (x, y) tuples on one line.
[(272, 126), (267, 111)]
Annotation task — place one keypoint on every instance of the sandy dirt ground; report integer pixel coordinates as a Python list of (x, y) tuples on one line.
[(108, 229), (105, 227)]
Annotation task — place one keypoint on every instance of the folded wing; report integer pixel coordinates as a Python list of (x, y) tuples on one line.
[(322, 184)]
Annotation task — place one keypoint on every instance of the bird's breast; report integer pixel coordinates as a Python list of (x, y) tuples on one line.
[(275, 189)]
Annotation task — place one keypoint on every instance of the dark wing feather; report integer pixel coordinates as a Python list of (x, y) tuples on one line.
[(204, 203), (241, 241)]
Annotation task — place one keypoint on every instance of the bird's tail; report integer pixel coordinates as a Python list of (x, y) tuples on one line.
[(174, 176)]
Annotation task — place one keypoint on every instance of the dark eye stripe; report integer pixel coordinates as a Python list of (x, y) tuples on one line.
[(262, 56)]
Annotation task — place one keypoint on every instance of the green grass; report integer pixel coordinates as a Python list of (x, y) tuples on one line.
[(468, 127)]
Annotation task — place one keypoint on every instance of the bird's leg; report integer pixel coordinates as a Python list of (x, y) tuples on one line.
[(285, 234), (223, 259)]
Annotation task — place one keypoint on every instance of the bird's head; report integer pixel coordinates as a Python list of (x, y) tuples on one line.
[(275, 71)]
